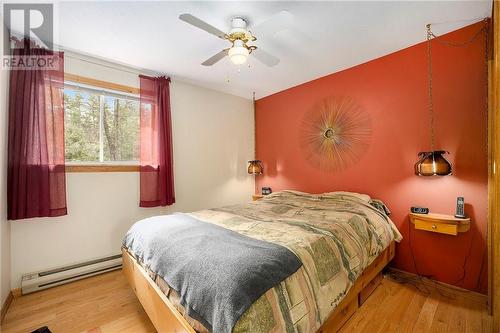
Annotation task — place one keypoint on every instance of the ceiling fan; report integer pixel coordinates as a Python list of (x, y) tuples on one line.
[(241, 38)]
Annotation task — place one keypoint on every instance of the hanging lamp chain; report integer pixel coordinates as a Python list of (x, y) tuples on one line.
[(486, 29), (254, 127), (429, 68), (471, 40), (430, 37)]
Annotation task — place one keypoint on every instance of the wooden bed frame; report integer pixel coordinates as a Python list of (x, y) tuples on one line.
[(166, 318)]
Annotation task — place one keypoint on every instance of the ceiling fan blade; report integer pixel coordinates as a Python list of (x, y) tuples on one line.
[(265, 58), (212, 60), (193, 20), (276, 23)]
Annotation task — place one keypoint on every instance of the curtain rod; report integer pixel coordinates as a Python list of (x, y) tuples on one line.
[(111, 65), (101, 62), (98, 90)]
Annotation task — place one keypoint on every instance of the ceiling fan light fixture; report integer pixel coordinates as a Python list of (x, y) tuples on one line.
[(241, 38), (238, 53)]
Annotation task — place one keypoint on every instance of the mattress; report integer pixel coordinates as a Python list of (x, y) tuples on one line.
[(336, 236)]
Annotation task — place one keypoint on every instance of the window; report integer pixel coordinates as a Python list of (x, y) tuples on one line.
[(101, 126)]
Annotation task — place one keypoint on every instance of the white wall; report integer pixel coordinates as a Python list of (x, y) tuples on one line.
[(4, 224), (213, 137)]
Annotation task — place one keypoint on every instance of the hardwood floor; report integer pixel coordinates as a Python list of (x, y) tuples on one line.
[(105, 303), (99, 304), (397, 307)]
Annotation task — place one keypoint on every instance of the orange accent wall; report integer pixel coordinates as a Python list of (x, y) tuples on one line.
[(393, 90)]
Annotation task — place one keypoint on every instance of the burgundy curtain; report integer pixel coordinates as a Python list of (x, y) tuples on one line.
[(36, 180), (157, 171)]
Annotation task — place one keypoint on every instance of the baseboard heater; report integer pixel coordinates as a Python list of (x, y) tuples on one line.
[(54, 277)]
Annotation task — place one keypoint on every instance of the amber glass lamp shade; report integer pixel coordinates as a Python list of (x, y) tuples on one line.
[(255, 167), (432, 163)]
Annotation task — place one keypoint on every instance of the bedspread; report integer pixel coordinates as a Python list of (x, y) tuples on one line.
[(336, 236)]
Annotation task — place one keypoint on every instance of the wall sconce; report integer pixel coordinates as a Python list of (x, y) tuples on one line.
[(255, 167)]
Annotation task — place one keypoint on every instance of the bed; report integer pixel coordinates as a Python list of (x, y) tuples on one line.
[(342, 239)]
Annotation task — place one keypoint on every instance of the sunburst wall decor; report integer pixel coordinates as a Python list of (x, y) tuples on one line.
[(335, 133)]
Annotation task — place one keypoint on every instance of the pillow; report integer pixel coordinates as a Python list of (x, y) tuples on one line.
[(362, 197), (381, 206)]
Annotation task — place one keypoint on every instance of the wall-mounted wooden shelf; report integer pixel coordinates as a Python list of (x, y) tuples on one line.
[(256, 197), (440, 223)]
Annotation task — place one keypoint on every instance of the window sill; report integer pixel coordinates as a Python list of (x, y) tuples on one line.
[(101, 168)]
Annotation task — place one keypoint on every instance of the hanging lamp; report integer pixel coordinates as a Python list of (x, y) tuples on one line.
[(432, 163), (255, 167)]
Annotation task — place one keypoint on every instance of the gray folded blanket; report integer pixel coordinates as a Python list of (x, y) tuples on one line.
[(218, 273)]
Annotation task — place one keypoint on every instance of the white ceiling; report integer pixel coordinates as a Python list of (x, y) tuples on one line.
[(325, 37)]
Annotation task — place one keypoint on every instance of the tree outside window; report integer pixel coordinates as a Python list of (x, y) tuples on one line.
[(100, 126)]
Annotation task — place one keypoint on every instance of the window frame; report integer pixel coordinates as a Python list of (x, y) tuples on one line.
[(110, 88)]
